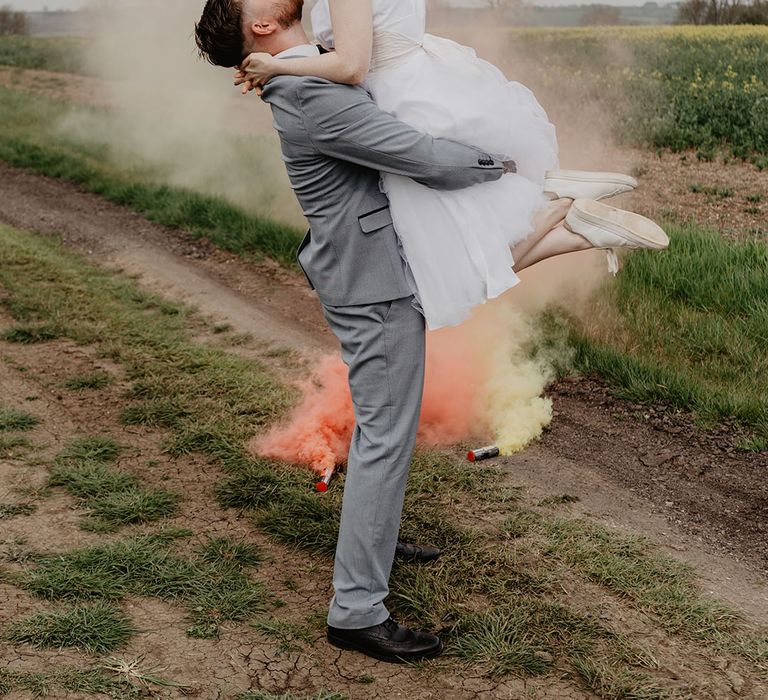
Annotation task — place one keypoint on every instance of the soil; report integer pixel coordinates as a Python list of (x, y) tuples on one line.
[(723, 194)]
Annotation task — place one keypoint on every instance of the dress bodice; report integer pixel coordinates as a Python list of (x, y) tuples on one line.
[(407, 17)]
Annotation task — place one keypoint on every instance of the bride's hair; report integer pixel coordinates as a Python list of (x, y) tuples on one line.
[(220, 35)]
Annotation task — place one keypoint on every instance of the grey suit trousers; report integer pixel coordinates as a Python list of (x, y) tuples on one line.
[(383, 346)]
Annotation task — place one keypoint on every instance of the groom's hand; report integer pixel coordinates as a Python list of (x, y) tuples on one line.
[(509, 166)]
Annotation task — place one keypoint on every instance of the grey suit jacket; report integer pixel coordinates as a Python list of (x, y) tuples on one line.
[(335, 143)]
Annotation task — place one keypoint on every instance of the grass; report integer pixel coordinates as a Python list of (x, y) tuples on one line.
[(89, 449), (687, 328), (135, 505), (497, 583), (96, 627), (147, 565), (13, 446), (85, 382), (289, 636), (28, 141), (41, 53), (113, 496), (259, 695), (91, 480), (69, 680), (12, 420), (673, 87), (634, 569), (13, 510), (225, 552)]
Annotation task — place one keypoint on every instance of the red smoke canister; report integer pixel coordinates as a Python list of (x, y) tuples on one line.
[(483, 453), (324, 483)]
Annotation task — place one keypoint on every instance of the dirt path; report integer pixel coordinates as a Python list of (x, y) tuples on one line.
[(259, 299), (634, 468)]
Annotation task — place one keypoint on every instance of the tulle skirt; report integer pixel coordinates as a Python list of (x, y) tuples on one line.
[(457, 244)]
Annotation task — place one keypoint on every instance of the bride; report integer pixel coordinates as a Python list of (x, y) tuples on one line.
[(463, 247)]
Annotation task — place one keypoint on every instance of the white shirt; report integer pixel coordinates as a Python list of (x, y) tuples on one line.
[(301, 51)]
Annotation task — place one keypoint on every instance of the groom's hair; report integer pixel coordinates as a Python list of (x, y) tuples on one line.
[(220, 35)]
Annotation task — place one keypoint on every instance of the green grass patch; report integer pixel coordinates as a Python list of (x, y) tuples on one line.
[(30, 334), (113, 496), (634, 569), (670, 87), (94, 381), (59, 54), (14, 510), (89, 449), (13, 446), (69, 680), (605, 682), (225, 552), (134, 506), (28, 141), (12, 420), (158, 413), (148, 566), (96, 627), (91, 480), (689, 329)]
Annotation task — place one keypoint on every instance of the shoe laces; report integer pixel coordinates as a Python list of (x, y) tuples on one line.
[(391, 626)]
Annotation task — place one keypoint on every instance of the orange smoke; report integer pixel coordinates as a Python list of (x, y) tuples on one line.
[(319, 429), (481, 378)]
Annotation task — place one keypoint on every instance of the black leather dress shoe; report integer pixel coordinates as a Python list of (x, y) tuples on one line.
[(388, 642), (416, 552)]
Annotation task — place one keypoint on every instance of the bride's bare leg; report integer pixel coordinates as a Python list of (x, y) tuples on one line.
[(558, 241), (547, 218)]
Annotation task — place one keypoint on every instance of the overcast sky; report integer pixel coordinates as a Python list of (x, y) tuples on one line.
[(74, 4)]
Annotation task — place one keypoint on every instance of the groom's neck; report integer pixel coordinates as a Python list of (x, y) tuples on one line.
[(287, 39)]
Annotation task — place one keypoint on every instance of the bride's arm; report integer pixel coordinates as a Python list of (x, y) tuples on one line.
[(353, 37)]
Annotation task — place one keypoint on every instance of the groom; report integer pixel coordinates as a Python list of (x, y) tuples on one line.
[(335, 142)]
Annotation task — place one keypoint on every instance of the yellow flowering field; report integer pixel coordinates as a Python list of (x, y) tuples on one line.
[(677, 87)]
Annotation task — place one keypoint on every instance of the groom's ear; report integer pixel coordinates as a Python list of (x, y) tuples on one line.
[(263, 28)]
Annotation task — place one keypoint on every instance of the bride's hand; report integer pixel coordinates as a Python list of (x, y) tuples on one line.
[(257, 69), (247, 84)]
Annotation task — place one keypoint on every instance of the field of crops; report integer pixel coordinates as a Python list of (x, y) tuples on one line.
[(670, 87), (53, 54)]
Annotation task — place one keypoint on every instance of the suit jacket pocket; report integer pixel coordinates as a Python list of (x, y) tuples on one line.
[(375, 220)]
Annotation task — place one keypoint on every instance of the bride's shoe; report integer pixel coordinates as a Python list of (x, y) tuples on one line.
[(581, 184), (607, 227)]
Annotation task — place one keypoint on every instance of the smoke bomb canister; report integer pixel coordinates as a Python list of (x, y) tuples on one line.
[(483, 453), (325, 482)]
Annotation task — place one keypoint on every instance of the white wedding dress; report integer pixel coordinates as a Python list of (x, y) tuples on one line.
[(456, 244)]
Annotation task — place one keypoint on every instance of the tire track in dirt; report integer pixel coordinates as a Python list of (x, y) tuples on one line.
[(594, 450)]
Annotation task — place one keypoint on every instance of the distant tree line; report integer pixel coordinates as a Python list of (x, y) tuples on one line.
[(723, 12), (12, 22), (601, 15)]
